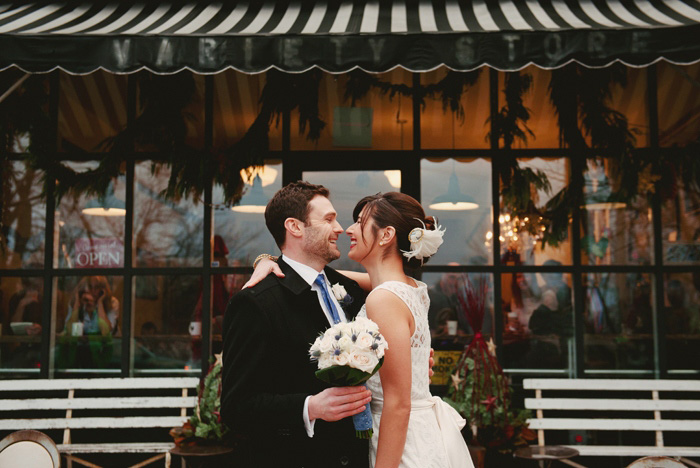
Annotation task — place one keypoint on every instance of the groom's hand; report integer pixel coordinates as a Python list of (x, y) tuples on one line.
[(336, 403)]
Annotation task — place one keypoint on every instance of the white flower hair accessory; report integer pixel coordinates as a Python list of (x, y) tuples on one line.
[(424, 242)]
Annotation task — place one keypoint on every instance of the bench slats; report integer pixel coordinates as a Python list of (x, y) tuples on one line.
[(639, 385), (614, 424), (635, 451), (129, 383), (92, 423), (97, 403), (612, 404), (151, 447)]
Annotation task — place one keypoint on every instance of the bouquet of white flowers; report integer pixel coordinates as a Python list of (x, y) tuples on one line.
[(348, 354)]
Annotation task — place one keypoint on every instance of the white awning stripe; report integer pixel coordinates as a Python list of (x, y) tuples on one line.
[(208, 17)]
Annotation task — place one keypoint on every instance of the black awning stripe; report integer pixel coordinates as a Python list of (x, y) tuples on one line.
[(5, 7), (548, 7), (329, 14), (283, 18), (590, 16), (483, 16), (192, 20), (598, 19), (115, 22), (261, 19), (632, 7), (384, 17), (176, 18), (19, 19), (651, 11), (342, 18), (40, 18), (512, 14), (679, 10), (529, 17), (248, 17), (12, 13), (426, 17), (568, 16), (453, 11), (231, 20), (215, 20), (150, 18), (58, 19), (542, 15), (89, 20), (622, 18), (302, 18), (441, 20), (413, 17), (470, 19), (315, 18)]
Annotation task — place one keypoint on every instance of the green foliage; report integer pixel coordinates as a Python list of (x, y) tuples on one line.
[(206, 421)]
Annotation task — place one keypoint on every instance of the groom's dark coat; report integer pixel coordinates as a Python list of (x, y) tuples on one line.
[(267, 374)]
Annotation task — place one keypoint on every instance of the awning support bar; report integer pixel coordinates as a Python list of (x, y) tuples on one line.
[(13, 87)]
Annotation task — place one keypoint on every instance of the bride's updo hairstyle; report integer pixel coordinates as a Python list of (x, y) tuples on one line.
[(399, 210)]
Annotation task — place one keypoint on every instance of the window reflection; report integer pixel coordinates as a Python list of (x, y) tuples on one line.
[(467, 184), (682, 316), (618, 317), (167, 334), (240, 232), (20, 329), (521, 233), (538, 320), (23, 217), (90, 229), (681, 225), (88, 323), (166, 232), (615, 231)]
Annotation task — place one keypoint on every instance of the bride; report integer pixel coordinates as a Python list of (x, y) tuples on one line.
[(412, 429)]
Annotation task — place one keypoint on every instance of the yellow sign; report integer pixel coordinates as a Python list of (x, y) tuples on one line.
[(445, 363)]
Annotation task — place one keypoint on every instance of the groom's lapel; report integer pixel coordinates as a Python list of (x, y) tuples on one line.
[(306, 305)]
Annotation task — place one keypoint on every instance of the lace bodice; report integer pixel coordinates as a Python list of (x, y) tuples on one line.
[(417, 301)]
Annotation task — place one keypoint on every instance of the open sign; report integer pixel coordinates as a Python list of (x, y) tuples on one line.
[(99, 253)]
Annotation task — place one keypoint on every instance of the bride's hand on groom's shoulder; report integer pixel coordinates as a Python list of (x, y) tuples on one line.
[(263, 268), (336, 403)]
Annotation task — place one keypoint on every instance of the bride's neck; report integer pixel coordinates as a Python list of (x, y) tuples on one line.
[(381, 270)]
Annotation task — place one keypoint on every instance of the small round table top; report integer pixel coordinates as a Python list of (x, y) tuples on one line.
[(546, 452), (201, 450)]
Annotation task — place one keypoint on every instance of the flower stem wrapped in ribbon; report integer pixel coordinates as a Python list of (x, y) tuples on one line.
[(348, 354)]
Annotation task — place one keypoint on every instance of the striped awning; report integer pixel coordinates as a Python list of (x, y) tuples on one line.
[(338, 36)]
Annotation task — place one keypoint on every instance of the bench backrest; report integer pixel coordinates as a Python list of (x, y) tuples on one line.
[(649, 398), (138, 403)]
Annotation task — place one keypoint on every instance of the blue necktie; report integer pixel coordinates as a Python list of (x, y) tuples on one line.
[(321, 283)]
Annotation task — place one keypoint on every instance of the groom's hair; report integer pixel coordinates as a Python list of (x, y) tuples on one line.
[(291, 201)]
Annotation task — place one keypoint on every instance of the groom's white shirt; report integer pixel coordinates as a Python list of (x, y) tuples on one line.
[(309, 275)]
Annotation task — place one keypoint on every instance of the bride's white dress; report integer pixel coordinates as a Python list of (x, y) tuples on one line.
[(433, 439)]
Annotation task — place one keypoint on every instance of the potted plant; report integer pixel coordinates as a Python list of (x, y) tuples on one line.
[(480, 391), (204, 440)]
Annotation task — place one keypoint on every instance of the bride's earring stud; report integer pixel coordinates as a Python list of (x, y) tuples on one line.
[(381, 242)]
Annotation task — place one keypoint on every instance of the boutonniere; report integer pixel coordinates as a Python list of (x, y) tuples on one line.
[(341, 295)]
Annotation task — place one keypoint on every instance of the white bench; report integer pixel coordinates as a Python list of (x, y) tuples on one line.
[(131, 403), (646, 400)]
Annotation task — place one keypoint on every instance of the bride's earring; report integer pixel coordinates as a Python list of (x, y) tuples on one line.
[(381, 242)]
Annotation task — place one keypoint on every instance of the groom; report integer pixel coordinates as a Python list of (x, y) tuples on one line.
[(270, 394)]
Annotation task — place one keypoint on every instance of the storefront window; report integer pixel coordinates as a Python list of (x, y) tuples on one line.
[(167, 333), (167, 233), (618, 316), (441, 128), (682, 316), (236, 106), (681, 225), (377, 121), (679, 97), (20, 331), (92, 108), (522, 232), (537, 320), (347, 188), (23, 217), (169, 111), (90, 229), (88, 324), (631, 101), (615, 231), (458, 192), (240, 231)]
